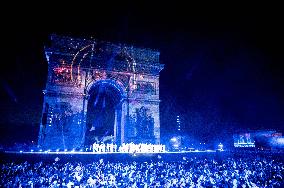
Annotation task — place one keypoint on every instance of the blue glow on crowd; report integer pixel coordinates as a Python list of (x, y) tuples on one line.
[(247, 169)]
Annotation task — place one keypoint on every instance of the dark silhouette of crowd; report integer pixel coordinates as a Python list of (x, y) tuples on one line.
[(234, 172)]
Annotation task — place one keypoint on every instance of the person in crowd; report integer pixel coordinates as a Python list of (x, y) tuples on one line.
[(241, 170)]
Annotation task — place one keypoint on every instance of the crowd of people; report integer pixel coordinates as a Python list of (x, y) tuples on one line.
[(235, 171), (128, 148)]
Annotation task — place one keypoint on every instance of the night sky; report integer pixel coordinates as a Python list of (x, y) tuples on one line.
[(223, 66)]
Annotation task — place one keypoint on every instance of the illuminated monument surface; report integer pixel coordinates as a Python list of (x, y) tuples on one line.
[(99, 92)]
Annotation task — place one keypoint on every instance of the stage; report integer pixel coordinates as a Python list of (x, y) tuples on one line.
[(101, 153), (36, 156)]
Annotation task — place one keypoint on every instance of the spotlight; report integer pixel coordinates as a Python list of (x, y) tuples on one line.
[(175, 142), (280, 141), (176, 145), (57, 150), (174, 139), (220, 147), (32, 150)]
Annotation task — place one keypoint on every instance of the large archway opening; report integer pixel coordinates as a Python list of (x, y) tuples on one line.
[(102, 111)]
